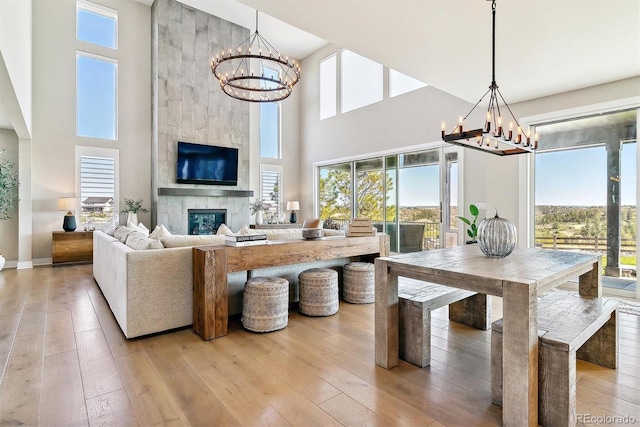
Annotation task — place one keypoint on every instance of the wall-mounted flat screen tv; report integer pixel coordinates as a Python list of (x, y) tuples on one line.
[(207, 164)]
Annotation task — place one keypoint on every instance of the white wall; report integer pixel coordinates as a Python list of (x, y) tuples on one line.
[(54, 110), (15, 52)]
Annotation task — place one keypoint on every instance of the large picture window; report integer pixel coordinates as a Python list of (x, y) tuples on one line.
[(96, 96), (595, 209)]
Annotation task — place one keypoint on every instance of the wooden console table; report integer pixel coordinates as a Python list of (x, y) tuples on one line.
[(212, 263)]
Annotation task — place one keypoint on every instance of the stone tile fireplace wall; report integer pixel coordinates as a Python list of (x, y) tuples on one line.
[(188, 105)]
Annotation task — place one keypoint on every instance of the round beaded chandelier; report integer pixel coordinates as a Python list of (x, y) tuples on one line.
[(254, 71)]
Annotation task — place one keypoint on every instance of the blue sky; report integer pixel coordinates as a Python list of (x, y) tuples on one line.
[(96, 77), (579, 177), (419, 186)]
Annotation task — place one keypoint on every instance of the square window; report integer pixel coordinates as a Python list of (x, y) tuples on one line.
[(97, 24)]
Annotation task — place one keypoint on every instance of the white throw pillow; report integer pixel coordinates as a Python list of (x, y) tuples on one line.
[(244, 230), (122, 232), (110, 229), (138, 241), (223, 229), (139, 227), (158, 232)]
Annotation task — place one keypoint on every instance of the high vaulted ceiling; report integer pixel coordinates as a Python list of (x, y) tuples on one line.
[(543, 47)]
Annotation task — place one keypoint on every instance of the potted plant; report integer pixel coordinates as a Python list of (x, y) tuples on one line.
[(257, 207), (132, 207), (472, 231), (8, 194)]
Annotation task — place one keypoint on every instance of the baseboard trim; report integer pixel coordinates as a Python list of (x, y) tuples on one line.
[(25, 265)]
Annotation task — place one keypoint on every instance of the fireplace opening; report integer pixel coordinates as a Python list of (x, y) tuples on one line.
[(206, 221)]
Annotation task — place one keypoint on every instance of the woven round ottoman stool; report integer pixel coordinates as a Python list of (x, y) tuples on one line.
[(359, 283), (318, 292), (265, 304)]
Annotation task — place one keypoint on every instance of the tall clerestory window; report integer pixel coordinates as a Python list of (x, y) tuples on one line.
[(97, 180), (96, 74), (270, 124)]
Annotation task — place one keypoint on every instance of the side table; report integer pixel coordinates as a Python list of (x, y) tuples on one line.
[(72, 247)]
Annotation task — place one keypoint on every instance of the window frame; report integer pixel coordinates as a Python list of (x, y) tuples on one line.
[(114, 153), (279, 170), (344, 87), (278, 131), (99, 10), (81, 53), (334, 88)]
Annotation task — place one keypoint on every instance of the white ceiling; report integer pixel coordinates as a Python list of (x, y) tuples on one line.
[(543, 47)]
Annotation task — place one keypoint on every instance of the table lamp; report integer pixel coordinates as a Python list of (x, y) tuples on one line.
[(293, 206), (68, 204)]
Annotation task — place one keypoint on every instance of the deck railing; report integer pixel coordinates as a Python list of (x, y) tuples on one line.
[(431, 237), (598, 244)]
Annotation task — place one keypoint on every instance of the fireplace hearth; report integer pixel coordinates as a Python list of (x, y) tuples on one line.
[(206, 221)]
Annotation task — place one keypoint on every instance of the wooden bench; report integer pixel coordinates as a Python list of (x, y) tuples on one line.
[(569, 326), (416, 300)]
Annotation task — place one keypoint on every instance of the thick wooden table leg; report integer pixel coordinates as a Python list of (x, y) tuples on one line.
[(386, 316), (520, 355), (210, 293), (557, 387), (473, 311), (590, 283)]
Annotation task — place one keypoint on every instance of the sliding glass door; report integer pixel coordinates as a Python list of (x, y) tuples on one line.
[(585, 192), (410, 196)]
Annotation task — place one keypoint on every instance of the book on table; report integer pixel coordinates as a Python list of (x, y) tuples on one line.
[(244, 237), (245, 243)]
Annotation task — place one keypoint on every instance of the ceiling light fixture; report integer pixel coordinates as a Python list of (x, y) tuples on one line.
[(254, 71), (493, 137)]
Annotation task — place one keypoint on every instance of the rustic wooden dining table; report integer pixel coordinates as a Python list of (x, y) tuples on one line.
[(518, 279)]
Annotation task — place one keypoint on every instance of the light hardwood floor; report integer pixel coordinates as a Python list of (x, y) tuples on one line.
[(64, 361)]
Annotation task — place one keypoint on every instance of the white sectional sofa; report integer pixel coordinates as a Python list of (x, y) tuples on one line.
[(149, 283)]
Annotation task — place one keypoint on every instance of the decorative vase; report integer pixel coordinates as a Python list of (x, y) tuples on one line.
[(259, 217), (132, 218), (2, 261), (497, 236)]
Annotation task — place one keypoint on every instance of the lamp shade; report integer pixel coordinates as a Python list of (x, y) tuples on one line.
[(293, 206), (68, 203)]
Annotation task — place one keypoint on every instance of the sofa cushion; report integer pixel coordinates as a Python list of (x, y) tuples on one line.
[(110, 229), (139, 227), (180, 241), (245, 230), (158, 232), (139, 241), (122, 232), (223, 229)]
